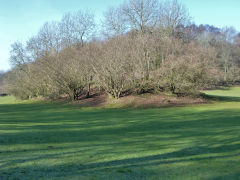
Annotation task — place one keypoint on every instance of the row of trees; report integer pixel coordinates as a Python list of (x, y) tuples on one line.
[(144, 46)]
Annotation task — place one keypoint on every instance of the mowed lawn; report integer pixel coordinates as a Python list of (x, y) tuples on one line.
[(57, 141)]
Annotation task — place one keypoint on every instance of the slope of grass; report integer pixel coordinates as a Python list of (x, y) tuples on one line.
[(7, 100), (51, 141), (226, 92)]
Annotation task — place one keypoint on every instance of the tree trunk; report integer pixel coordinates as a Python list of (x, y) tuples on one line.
[(88, 91)]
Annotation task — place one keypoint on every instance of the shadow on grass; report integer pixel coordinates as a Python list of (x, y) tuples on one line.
[(107, 141), (234, 176), (221, 98), (133, 167)]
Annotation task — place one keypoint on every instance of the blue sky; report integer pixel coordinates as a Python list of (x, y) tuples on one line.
[(21, 19)]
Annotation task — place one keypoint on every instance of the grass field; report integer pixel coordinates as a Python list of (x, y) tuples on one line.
[(40, 140)]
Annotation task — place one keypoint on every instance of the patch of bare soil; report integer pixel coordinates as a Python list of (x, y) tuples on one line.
[(138, 101), (96, 100)]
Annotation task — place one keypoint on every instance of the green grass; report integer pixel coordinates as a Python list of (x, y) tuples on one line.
[(40, 140), (226, 92), (7, 100)]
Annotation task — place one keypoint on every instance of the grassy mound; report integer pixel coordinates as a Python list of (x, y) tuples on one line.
[(40, 140)]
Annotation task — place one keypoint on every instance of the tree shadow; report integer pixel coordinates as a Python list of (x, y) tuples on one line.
[(222, 98), (128, 166), (55, 132)]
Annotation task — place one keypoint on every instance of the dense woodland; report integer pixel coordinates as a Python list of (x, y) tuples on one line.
[(140, 46)]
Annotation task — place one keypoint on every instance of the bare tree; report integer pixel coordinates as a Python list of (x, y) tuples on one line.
[(190, 68), (114, 66), (77, 28), (18, 54), (47, 40), (114, 23), (172, 14), (141, 15), (226, 41), (2, 78)]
